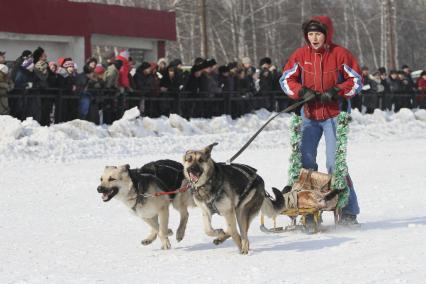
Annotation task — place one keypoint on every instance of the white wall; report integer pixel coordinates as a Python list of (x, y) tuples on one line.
[(149, 46), (54, 46)]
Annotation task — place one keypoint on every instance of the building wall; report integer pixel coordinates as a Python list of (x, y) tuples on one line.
[(54, 46)]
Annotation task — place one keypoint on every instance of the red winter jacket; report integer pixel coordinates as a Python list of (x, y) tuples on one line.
[(123, 75), (320, 70)]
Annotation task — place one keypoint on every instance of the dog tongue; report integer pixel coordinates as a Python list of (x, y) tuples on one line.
[(104, 196), (193, 177)]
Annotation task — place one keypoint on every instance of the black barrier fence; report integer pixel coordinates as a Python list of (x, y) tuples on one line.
[(107, 105)]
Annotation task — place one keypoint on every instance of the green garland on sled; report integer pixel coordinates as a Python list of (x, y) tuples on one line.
[(341, 169)]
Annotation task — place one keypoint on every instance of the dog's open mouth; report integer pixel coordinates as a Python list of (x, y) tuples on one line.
[(194, 175), (109, 193)]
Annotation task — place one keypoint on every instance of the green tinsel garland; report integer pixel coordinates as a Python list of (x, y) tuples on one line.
[(340, 166), (341, 169), (296, 155)]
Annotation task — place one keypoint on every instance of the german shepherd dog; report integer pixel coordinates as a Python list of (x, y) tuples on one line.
[(136, 189), (234, 191)]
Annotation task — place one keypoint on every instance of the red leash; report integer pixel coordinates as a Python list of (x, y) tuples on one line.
[(179, 190)]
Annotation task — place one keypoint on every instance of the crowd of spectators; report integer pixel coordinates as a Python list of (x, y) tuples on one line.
[(103, 90), (391, 90)]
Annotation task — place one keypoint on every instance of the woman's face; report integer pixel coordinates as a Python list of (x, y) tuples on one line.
[(53, 68), (70, 70), (317, 39)]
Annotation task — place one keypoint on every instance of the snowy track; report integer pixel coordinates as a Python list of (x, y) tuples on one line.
[(54, 227)]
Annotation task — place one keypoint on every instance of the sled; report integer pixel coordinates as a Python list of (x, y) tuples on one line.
[(309, 196)]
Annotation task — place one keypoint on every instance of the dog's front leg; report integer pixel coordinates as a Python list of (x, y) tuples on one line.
[(208, 229), (182, 224), (153, 223), (164, 225), (232, 228)]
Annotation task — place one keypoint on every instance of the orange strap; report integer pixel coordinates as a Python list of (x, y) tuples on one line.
[(179, 190)]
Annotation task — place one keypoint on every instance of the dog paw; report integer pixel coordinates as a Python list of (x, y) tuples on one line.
[(218, 241), (146, 242), (245, 247), (166, 245), (180, 235), (169, 232), (244, 251)]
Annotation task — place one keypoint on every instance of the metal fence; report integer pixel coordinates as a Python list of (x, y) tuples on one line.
[(58, 105)]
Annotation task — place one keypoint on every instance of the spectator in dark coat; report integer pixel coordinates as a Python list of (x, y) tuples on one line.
[(403, 99), (24, 81), (26, 54), (68, 86), (192, 89), (146, 85), (369, 91), (394, 87)]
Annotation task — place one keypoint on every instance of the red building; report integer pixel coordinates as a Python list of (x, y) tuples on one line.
[(79, 30)]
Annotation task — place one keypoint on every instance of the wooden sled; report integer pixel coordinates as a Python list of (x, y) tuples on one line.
[(309, 196)]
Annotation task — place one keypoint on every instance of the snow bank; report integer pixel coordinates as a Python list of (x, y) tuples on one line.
[(134, 134)]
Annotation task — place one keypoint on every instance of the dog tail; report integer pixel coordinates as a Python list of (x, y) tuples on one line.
[(272, 208)]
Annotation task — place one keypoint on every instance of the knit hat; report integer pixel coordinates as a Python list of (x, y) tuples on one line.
[(99, 69), (314, 26), (53, 63), (4, 69)]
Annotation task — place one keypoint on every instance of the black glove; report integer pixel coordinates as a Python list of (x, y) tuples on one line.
[(329, 95), (306, 92)]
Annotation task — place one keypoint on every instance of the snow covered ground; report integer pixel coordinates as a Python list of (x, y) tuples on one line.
[(54, 227)]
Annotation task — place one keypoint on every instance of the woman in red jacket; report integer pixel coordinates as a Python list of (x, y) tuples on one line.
[(331, 73)]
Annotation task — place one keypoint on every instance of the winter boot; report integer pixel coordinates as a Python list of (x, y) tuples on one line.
[(349, 220)]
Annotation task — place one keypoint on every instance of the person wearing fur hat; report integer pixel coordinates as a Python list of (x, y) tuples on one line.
[(330, 73)]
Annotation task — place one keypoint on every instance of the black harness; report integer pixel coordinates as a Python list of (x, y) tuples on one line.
[(213, 190)]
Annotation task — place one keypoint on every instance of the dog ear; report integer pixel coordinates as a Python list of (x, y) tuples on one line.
[(209, 148), (125, 168)]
